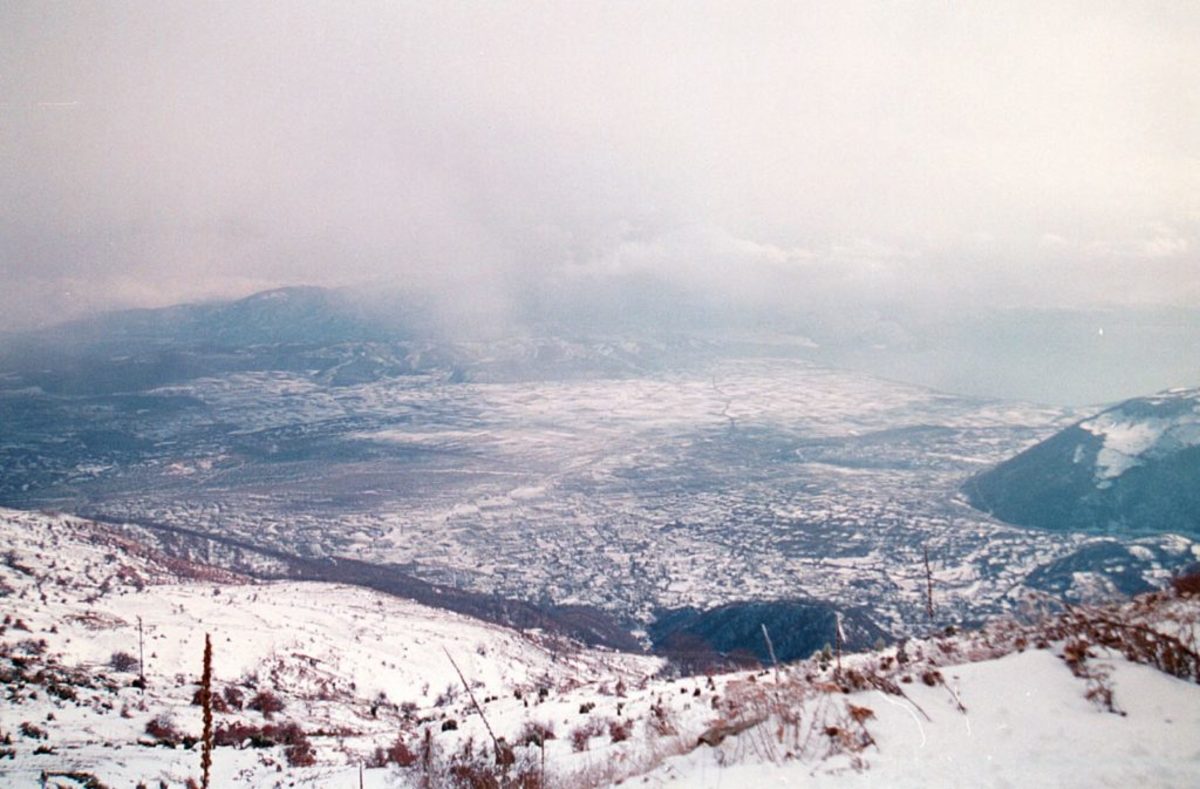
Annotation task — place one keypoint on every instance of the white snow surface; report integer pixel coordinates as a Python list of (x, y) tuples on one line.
[(1131, 439), (329, 651), (1027, 724)]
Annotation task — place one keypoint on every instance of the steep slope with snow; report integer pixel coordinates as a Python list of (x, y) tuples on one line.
[(352, 667), (1132, 468)]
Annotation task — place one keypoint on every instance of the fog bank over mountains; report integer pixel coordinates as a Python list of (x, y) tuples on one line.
[(907, 176), (1065, 357)]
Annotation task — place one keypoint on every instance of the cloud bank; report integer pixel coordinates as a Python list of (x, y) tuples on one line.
[(771, 157)]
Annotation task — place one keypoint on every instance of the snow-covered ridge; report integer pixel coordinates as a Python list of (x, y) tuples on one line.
[(1145, 429)]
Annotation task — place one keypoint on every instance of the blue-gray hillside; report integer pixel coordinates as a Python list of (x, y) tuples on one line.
[(1131, 468)]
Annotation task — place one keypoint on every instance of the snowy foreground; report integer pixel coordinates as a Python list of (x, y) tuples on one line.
[(369, 684)]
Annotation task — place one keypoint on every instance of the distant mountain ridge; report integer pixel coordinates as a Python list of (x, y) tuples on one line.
[(1134, 467), (343, 337), (298, 314)]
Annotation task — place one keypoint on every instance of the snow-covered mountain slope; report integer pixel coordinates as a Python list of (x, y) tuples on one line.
[(364, 681), (1142, 431), (348, 662), (1133, 467)]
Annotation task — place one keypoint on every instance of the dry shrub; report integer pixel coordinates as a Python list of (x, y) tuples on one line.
[(123, 662), (860, 714), (1136, 641), (163, 730), (234, 698), (266, 702), (218, 702), (630, 763), (475, 775), (535, 733), (300, 753), (849, 736), (482, 775), (33, 731), (619, 731), (472, 769), (398, 753), (236, 734), (1186, 584), (1100, 690), (581, 735), (660, 721)]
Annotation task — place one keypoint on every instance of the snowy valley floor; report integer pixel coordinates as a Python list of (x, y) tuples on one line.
[(368, 682)]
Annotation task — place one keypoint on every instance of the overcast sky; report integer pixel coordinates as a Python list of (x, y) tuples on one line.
[(939, 154)]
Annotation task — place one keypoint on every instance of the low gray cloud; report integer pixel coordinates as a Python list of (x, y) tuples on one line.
[(771, 156)]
